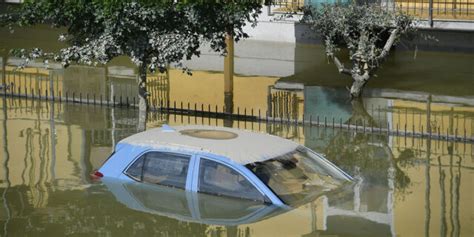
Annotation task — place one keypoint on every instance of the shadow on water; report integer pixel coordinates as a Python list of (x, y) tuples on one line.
[(50, 148)]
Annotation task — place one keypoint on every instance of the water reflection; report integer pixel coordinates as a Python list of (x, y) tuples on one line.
[(405, 186), (189, 207)]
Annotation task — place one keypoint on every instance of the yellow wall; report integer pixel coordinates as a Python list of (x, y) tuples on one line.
[(208, 88)]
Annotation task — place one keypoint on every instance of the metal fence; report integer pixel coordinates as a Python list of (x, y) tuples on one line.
[(287, 5), (438, 9), (423, 9), (284, 108)]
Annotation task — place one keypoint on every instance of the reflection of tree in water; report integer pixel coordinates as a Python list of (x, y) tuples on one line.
[(338, 97), (369, 154)]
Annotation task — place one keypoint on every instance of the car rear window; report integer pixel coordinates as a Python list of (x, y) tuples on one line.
[(161, 168)]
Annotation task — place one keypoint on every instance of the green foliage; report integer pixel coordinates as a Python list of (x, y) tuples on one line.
[(152, 33), (362, 29)]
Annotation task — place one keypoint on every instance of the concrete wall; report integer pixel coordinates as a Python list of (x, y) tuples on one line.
[(252, 58)]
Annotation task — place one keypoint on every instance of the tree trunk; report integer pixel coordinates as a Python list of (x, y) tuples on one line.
[(229, 80), (358, 84), (360, 114), (142, 98)]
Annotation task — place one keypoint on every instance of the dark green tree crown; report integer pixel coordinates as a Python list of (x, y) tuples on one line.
[(152, 33)]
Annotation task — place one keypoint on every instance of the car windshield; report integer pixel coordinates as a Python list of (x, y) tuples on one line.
[(298, 175)]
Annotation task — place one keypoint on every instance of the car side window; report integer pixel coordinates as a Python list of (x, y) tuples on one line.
[(161, 168), (219, 179)]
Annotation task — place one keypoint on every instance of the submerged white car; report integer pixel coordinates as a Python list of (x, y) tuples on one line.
[(224, 162)]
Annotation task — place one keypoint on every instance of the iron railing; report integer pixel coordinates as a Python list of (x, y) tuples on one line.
[(458, 10), (284, 107)]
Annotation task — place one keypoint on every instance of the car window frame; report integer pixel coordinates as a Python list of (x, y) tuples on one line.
[(189, 175), (193, 170), (240, 169)]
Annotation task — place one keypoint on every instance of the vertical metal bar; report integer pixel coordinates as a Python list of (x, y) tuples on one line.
[(430, 13)]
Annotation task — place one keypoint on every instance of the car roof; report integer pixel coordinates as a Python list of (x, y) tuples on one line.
[(240, 146)]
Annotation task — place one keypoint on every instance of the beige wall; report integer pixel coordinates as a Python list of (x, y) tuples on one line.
[(208, 88)]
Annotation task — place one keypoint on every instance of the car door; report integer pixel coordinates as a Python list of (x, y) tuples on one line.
[(220, 179), (161, 168), (225, 195)]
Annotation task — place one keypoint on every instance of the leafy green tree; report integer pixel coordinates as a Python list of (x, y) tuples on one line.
[(154, 34), (368, 32)]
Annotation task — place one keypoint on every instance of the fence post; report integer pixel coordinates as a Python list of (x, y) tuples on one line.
[(430, 13)]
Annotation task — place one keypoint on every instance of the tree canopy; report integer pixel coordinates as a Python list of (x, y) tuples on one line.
[(367, 31), (151, 33), (154, 34)]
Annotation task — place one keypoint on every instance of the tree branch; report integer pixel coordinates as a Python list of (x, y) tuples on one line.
[(388, 44), (340, 66)]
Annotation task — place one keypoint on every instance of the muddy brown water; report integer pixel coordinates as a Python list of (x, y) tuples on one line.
[(404, 187)]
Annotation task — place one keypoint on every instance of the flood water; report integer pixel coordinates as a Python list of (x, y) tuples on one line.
[(404, 187)]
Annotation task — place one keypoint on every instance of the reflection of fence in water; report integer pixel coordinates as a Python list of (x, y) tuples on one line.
[(284, 107), (124, 120), (435, 119), (33, 82), (284, 104), (52, 85), (158, 87)]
